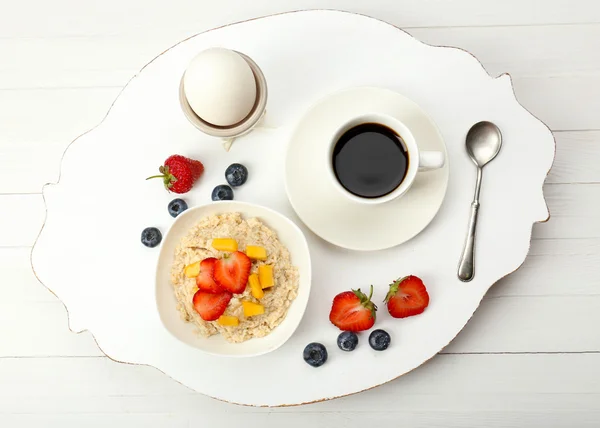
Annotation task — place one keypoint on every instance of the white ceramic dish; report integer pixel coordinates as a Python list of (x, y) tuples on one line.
[(108, 283), (289, 235), (339, 219)]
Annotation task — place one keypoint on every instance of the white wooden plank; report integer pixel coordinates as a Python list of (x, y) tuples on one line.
[(532, 324), (564, 270), (21, 218), (30, 155), (36, 128), (500, 324), (529, 51), (98, 61), (577, 158), (563, 103), (94, 421), (111, 60), (32, 163), (41, 329), (107, 61), (554, 267), (346, 419), (574, 211), (72, 18), (51, 115), (17, 280), (476, 384), (543, 80)]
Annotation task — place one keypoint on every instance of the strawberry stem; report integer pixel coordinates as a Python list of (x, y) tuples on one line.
[(167, 177)]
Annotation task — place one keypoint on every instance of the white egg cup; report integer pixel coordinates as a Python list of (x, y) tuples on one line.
[(229, 133)]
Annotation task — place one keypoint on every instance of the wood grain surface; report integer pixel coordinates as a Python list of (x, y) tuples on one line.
[(529, 357)]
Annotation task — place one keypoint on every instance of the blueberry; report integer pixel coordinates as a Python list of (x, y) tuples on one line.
[(379, 340), (315, 354), (151, 237), (347, 340), (222, 193), (177, 206), (236, 174)]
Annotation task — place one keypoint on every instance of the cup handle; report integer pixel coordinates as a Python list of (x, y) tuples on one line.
[(431, 160)]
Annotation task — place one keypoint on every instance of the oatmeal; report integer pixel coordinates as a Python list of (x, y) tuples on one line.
[(197, 245)]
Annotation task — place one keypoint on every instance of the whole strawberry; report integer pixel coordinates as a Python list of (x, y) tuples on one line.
[(179, 173), (353, 311)]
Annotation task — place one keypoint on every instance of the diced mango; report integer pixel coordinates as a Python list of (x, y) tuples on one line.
[(225, 244), (251, 309), (255, 287), (228, 321), (192, 271), (255, 252), (265, 276)]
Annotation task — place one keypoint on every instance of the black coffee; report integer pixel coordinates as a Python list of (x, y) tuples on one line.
[(370, 160)]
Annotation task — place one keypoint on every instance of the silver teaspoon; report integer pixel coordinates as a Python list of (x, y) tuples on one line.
[(484, 141)]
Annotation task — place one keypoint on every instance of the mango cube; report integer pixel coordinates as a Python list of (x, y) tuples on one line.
[(251, 309), (192, 271), (225, 244), (228, 321), (255, 252), (265, 276), (255, 287)]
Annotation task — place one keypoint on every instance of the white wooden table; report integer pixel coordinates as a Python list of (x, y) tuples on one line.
[(529, 357)]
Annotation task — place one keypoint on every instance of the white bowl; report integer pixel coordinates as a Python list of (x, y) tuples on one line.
[(290, 236)]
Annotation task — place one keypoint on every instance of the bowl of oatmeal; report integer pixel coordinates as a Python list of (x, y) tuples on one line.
[(253, 319)]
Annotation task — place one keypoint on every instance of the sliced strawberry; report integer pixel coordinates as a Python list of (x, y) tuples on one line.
[(353, 311), (407, 296), (232, 271), (211, 306), (204, 280)]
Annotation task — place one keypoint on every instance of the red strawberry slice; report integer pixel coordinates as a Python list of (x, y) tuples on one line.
[(205, 280), (353, 311), (211, 306), (407, 297), (232, 271), (179, 173)]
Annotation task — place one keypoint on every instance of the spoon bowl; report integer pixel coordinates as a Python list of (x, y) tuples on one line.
[(484, 141)]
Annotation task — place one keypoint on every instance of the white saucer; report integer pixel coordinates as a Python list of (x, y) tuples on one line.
[(325, 210)]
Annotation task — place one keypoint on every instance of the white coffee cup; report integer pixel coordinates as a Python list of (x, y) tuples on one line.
[(417, 160)]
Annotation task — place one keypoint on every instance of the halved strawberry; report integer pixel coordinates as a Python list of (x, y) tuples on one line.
[(353, 311), (211, 306), (205, 280), (407, 296), (232, 271)]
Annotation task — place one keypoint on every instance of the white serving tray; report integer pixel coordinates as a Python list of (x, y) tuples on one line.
[(89, 253)]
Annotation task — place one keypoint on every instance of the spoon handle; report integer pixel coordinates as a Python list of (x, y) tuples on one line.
[(466, 268)]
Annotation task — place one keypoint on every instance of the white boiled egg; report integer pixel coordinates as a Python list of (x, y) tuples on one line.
[(220, 87)]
